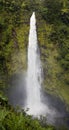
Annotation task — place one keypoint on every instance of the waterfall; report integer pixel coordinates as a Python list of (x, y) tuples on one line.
[(34, 71)]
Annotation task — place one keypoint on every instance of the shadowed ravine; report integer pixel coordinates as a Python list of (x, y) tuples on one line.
[(28, 93)]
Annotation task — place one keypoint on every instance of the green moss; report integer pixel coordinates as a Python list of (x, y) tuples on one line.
[(22, 36)]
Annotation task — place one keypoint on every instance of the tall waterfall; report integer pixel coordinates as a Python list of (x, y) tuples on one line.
[(34, 71)]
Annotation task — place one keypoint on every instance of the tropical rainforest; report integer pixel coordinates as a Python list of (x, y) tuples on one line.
[(53, 39)]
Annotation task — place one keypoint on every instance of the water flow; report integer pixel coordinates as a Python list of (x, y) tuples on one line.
[(34, 72)]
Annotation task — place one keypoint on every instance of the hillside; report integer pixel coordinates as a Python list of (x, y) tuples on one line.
[(53, 40)]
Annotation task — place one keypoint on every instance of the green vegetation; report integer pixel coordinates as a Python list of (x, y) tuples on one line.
[(53, 36), (53, 39), (10, 119)]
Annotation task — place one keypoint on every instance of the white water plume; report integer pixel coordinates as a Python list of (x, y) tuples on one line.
[(36, 107)]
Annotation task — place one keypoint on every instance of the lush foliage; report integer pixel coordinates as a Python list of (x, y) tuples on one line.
[(57, 13), (9, 119), (55, 45), (53, 34)]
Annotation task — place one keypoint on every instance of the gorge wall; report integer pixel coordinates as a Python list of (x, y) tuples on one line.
[(14, 40)]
